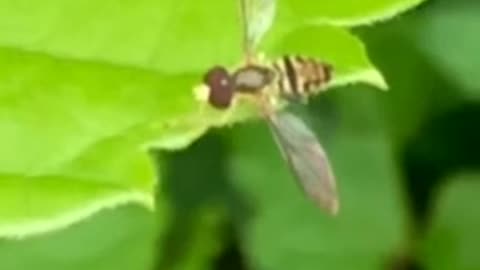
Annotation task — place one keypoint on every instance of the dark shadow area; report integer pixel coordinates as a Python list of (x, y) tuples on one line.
[(403, 262), (324, 114), (231, 257), (194, 182), (446, 144)]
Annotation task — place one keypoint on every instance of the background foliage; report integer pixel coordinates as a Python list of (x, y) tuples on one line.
[(86, 86)]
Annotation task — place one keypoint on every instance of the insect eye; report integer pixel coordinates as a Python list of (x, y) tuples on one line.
[(221, 87)]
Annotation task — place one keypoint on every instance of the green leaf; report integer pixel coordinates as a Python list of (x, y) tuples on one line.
[(453, 238), (158, 35), (40, 204), (448, 36), (288, 232), (423, 90), (145, 33), (343, 12), (120, 239), (71, 133), (87, 90)]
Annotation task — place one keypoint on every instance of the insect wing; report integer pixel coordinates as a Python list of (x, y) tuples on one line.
[(306, 158), (257, 17)]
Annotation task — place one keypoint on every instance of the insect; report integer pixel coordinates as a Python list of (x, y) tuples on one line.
[(290, 77)]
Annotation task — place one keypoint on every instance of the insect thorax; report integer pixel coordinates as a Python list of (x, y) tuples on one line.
[(253, 78), (292, 76)]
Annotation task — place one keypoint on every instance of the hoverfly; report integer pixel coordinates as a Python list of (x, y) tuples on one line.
[(291, 78)]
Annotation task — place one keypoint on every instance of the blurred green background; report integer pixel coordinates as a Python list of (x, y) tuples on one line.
[(407, 162)]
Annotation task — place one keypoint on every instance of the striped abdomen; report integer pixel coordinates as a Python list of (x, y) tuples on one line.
[(300, 76)]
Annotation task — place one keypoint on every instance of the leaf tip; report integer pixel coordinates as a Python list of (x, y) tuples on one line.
[(370, 76)]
